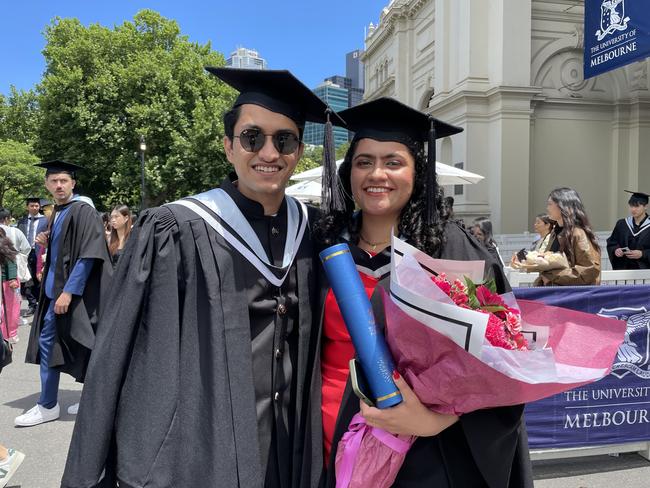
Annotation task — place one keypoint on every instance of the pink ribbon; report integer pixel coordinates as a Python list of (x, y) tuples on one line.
[(352, 439)]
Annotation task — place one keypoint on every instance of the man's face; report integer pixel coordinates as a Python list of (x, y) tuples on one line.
[(264, 173), (33, 208), (60, 186), (637, 211)]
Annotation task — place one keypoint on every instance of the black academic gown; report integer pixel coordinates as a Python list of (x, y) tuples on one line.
[(485, 448), (174, 395), (82, 237), (637, 237)]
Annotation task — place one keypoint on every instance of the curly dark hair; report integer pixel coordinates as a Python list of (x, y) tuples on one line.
[(573, 215), (7, 250), (412, 223)]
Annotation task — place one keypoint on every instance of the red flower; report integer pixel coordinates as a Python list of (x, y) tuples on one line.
[(442, 283), (486, 298), (513, 323), (496, 335), (460, 299)]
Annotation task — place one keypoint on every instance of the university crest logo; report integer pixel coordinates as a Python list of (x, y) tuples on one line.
[(634, 353), (612, 18)]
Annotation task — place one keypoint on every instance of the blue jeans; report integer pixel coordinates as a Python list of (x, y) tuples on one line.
[(49, 376)]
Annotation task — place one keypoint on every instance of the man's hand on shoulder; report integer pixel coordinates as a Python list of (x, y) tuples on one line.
[(62, 303)]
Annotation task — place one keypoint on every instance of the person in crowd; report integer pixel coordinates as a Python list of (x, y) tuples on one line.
[(628, 246), (77, 267), (482, 230), (573, 237), (106, 219), (121, 224), (10, 300), (543, 226), (21, 260), (10, 461), (31, 225), (17, 238), (47, 207), (212, 305), (384, 174)]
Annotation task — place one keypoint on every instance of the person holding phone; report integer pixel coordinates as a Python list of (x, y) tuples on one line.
[(628, 246), (384, 174)]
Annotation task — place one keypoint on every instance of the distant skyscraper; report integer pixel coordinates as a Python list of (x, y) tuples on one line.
[(336, 97), (246, 58), (354, 68), (341, 81)]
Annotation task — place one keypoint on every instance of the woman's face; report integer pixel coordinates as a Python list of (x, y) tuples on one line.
[(553, 210), (382, 177), (541, 227), (478, 233), (117, 220)]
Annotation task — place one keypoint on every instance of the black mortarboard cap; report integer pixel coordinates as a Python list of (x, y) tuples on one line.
[(386, 119), (33, 200), (59, 166), (639, 196), (278, 91), (44, 202)]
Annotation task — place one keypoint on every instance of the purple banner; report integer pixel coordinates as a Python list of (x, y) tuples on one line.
[(616, 409)]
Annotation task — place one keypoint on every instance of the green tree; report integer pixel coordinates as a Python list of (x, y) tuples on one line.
[(103, 88), (341, 150), (19, 177), (19, 116), (311, 158)]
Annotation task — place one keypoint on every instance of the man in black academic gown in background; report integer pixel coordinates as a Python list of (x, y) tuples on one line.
[(31, 225), (201, 377), (629, 245), (76, 273)]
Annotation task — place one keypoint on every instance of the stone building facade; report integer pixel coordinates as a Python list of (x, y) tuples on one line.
[(510, 73)]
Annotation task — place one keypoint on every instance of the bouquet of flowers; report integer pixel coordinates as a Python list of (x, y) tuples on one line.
[(504, 322), (462, 347)]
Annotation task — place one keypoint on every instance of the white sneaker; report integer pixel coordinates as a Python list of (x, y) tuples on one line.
[(37, 415), (9, 466), (73, 409)]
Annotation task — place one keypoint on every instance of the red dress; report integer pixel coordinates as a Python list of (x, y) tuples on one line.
[(337, 352)]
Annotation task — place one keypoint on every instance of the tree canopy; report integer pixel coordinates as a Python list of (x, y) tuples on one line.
[(104, 88), (19, 116), (19, 177)]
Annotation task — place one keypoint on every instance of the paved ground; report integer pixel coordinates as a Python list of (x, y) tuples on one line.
[(46, 445)]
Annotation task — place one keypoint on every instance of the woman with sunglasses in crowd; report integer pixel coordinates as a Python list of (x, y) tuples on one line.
[(574, 237), (384, 174)]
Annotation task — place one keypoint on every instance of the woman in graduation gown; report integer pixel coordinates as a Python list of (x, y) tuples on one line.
[(385, 173), (629, 245)]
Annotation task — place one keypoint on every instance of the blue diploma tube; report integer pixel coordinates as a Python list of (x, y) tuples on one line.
[(369, 342)]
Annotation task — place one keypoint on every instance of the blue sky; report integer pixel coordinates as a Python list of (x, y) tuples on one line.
[(309, 38)]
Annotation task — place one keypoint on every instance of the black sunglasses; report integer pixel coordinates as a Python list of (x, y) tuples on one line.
[(252, 140)]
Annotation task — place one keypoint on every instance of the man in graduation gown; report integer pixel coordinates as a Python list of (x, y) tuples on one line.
[(629, 245), (76, 272), (31, 225), (200, 377)]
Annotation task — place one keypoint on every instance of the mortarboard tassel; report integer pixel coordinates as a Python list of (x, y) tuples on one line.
[(431, 183), (331, 198)]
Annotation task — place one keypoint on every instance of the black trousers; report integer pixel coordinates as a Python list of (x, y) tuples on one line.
[(32, 288)]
